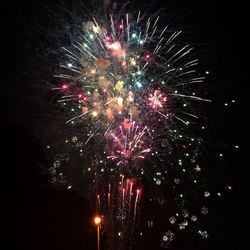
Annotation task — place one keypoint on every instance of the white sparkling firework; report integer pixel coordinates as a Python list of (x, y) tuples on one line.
[(167, 238)]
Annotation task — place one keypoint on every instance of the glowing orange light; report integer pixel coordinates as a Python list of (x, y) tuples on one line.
[(97, 220)]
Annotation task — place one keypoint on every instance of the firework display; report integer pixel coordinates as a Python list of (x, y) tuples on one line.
[(119, 204), (131, 94)]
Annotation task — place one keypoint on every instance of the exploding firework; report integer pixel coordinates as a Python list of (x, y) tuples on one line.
[(128, 89), (111, 70), (129, 144), (157, 100)]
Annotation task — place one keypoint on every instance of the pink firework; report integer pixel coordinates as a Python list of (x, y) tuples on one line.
[(157, 99), (128, 144)]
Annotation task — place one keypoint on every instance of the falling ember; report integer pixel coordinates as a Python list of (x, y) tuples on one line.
[(130, 193), (98, 202), (108, 198), (136, 201)]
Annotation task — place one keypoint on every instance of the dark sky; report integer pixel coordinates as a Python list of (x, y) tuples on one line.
[(44, 218)]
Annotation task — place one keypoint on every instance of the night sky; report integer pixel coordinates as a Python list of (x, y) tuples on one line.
[(39, 217)]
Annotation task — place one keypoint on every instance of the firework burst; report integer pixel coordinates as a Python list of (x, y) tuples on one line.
[(157, 100), (128, 88), (129, 144)]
